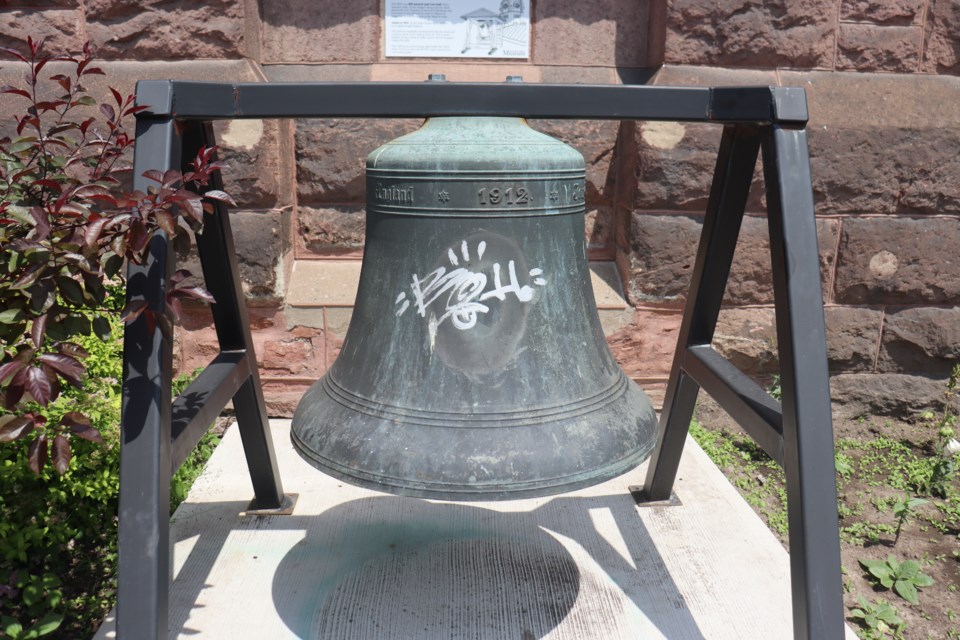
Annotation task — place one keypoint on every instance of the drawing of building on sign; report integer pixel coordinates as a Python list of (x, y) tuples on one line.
[(491, 31)]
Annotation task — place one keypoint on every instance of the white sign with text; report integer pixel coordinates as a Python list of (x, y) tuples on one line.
[(457, 28)]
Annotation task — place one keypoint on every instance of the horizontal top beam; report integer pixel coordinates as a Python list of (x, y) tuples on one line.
[(212, 100)]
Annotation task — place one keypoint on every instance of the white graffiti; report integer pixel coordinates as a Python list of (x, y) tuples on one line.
[(465, 290)]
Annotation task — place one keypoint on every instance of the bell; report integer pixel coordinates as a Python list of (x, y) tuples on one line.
[(475, 367)]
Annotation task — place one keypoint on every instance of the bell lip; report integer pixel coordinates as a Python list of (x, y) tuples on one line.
[(473, 493)]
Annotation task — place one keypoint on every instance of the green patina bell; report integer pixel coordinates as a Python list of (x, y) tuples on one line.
[(475, 367)]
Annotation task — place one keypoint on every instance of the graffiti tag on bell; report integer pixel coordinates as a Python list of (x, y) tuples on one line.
[(461, 292)]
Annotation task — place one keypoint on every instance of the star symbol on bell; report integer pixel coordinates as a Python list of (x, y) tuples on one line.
[(443, 196), (554, 195)]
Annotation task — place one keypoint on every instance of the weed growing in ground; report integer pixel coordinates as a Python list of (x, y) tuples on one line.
[(903, 510), (905, 578), (880, 619)]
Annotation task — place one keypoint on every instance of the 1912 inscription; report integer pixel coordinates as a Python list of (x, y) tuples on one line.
[(509, 196)]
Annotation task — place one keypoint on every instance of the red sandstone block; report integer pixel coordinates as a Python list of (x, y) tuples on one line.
[(899, 261), (591, 32), (165, 29), (663, 251), (334, 230), (751, 33), (305, 31), (886, 12), (645, 348), (60, 29), (921, 339), (294, 356), (249, 151), (331, 155), (942, 50), (868, 47)]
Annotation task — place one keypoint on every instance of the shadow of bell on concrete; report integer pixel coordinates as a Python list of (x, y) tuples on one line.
[(391, 568)]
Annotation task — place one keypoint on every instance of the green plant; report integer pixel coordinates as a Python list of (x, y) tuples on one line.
[(935, 477), (903, 509), (903, 577), (775, 389), (843, 464), (879, 618), (66, 229)]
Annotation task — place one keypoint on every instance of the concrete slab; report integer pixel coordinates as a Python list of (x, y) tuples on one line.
[(351, 563)]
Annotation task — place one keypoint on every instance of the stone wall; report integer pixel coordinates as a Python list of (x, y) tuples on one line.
[(884, 94)]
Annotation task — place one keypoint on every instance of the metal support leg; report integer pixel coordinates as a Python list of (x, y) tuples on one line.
[(718, 240), (144, 537), (222, 278), (807, 422)]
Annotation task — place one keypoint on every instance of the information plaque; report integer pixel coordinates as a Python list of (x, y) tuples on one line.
[(457, 28)]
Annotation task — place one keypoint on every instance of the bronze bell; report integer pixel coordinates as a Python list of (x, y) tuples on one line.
[(475, 367)]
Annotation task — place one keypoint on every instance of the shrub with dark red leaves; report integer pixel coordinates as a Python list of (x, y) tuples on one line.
[(67, 228)]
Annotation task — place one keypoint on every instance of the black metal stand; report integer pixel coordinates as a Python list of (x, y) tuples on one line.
[(159, 432)]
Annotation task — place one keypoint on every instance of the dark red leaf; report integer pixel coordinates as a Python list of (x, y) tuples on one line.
[(137, 236), (37, 454), (166, 221), (49, 105), (74, 419), (50, 184), (220, 196), (42, 219), (153, 174), (119, 245), (94, 229), (16, 54), (194, 208), (15, 91), (133, 309), (29, 276), (9, 369), (71, 349), (95, 71), (14, 427), (86, 125), (108, 111), (117, 96), (103, 197), (87, 433), (150, 317), (61, 454), (38, 330), (70, 368), (54, 382), (174, 308), (64, 81), (39, 385), (171, 177), (12, 395), (193, 292)]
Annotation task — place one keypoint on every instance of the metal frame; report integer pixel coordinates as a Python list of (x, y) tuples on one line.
[(158, 432)]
